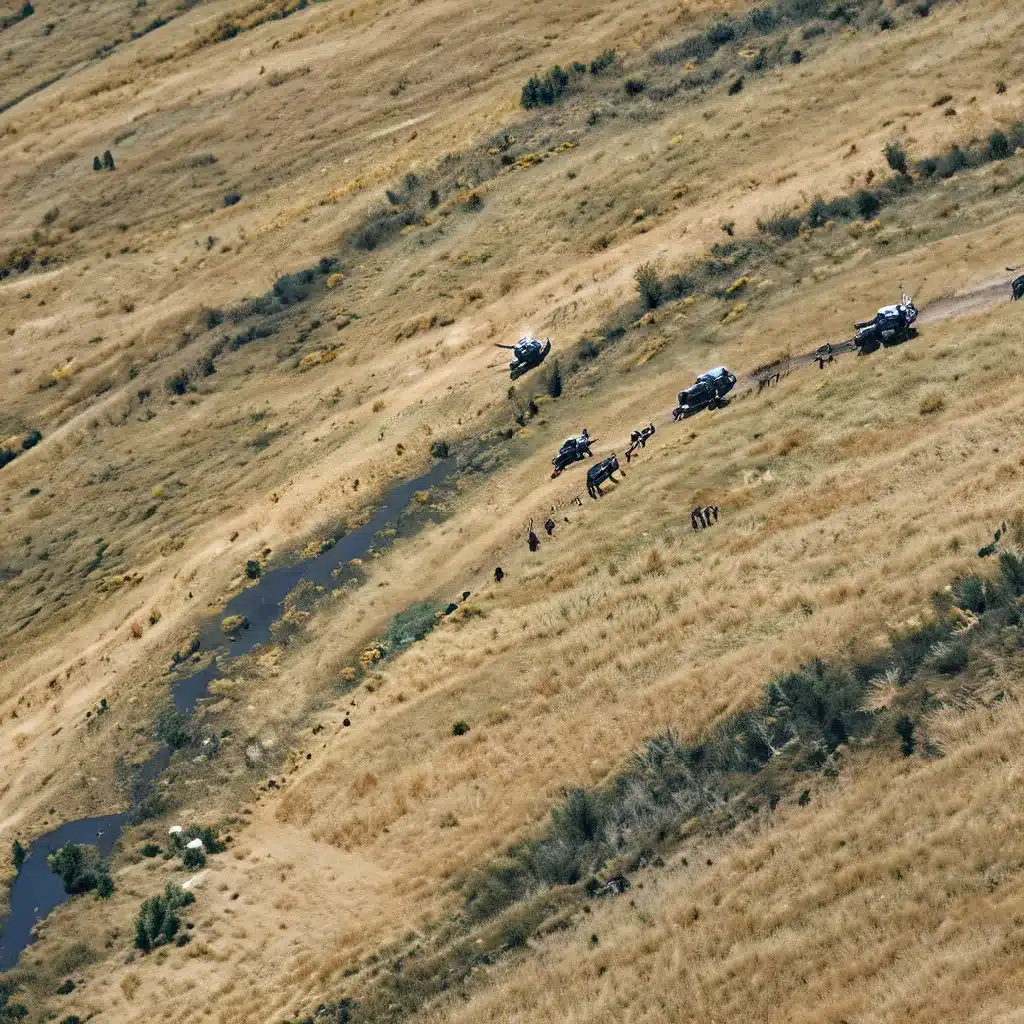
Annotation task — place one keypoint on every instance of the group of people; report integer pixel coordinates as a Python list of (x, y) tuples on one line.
[(702, 517)]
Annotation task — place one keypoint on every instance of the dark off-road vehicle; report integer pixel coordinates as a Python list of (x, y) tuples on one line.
[(707, 392), (890, 326), (527, 353), (1017, 284), (573, 450)]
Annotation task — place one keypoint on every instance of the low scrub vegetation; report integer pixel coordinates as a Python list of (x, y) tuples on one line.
[(671, 787)]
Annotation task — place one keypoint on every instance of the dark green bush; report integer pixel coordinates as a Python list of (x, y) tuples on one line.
[(81, 869), (553, 382), (158, 922), (896, 157), (952, 658), (602, 62), (18, 855), (177, 383), (545, 90), (66, 987), (172, 728), (649, 285), (999, 147), (634, 86), (440, 450), (868, 204), (150, 850), (460, 728), (969, 593), (193, 858), (411, 625), (783, 225)]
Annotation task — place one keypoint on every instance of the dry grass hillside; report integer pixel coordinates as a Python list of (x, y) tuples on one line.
[(189, 426)]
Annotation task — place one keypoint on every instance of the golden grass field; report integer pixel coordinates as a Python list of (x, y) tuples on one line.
[(848, 495)]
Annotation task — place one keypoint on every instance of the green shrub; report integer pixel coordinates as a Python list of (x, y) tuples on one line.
[(193, 858), (649, 286), (896, 157), (177, 383), (952, 658), (440, 450), (553, 383), (969, 593), (634, 86), (999, 147), (782, 225), (81, 869), (411, 625), (157, 922), (460, 728), (150, 850), (172, 728), (18, 855), (546, 90), (66, 987), (602, 62), (868, 204)]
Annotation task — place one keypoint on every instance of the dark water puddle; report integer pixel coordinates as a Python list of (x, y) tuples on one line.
[(263, 604), (36, 891)]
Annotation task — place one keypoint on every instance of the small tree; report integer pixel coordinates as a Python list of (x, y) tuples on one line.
[(554, 382), (193, 858), (896, 158), (81, 870), (18, 855), (157, 922), (999, 147), (648, 285)]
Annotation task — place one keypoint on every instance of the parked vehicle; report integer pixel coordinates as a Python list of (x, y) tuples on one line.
[(890, 326), (707, 392), (573, 450), (527, 353)]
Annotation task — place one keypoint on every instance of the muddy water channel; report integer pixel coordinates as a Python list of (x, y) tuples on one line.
[(36, 891)]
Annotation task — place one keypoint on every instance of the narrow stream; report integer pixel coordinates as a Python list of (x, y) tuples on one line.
[(36, 891)]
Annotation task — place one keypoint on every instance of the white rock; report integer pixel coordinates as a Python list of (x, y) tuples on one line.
[(175, 830), (194, 881), (196, 844)]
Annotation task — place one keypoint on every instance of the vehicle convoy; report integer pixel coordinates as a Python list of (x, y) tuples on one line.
[(527, 353), (573, 450), (1018, 287), (707, 392), (890, 326)]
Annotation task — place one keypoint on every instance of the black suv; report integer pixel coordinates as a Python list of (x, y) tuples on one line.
[(707, 392)]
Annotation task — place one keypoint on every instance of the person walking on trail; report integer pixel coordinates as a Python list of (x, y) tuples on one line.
[(550, 526), (499, 574), (697, 520), (532, 539)]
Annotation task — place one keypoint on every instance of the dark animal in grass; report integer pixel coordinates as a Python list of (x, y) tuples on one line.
[(603, 471)]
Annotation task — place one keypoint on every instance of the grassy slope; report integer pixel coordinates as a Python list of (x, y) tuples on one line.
[(837, 520)]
